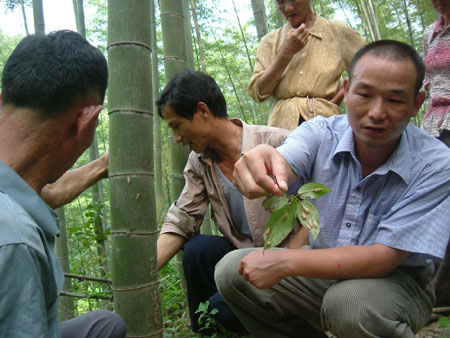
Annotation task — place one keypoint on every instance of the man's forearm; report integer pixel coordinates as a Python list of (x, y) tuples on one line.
[(264, 270), (347, 262), (168, 245), (272, 76), (70, 185)]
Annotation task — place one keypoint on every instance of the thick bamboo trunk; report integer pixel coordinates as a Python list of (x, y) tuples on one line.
[(134, 228)]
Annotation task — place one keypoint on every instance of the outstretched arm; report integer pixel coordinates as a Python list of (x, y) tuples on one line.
[(168, 245), (70, 185)]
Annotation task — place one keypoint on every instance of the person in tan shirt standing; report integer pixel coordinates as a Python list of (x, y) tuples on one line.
[(301, 63), (194, 107)]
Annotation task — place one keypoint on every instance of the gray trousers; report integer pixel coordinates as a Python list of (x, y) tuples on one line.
[(394, 306), (95, 324)]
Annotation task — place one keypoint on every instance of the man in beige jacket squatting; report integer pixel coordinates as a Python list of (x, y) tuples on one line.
[(195, 108)]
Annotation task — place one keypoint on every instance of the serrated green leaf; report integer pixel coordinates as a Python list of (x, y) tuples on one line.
[(280, 224), (275, 202), (308, 215), (313, 190)]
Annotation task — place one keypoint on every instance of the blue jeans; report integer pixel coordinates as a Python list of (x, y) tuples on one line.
[(200, 257)]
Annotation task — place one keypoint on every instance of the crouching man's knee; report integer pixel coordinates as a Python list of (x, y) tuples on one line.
[(359, 308), (227, 272)]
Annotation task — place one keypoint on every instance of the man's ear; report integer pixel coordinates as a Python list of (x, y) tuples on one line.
[(87, 120), (203, 109), (346, 89), (418, 101)]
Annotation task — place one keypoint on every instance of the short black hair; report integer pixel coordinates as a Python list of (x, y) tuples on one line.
[(51, 73), (395, 50), (186, 89)]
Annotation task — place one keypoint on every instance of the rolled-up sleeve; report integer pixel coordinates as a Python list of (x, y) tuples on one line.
[(264, 58), (186, 214)]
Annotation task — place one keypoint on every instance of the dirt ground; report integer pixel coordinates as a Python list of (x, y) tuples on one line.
[(432, 331)]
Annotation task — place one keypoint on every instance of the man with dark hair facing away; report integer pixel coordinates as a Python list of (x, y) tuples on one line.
[(53, 89), (194, 107), (368, 273)]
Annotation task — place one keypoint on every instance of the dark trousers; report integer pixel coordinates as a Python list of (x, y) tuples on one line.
[(200, 257), (95, 324)]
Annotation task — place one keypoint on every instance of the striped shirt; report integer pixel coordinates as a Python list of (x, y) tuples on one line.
[(437, 61), (404, 204)]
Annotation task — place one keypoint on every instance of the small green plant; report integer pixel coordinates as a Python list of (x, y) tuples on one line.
[(445, 323), (287, 209), (209, 324)]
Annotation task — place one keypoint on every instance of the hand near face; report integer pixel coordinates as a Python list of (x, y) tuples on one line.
[(262, 171), (263, 270), (295, 41)]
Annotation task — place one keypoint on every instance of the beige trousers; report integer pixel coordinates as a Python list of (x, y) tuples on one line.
[(394, 306)]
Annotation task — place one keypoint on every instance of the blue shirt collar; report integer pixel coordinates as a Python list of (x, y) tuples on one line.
[(399, 162), (14, 186)]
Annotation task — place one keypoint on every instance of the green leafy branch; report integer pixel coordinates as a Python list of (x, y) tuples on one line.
[(287, 209)]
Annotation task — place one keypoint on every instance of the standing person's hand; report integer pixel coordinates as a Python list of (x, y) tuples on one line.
[(295, 41)]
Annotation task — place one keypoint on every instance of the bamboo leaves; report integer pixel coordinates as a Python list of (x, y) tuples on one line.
[(287, 209)]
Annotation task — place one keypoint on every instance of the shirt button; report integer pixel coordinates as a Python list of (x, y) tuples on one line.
[(348, 225)]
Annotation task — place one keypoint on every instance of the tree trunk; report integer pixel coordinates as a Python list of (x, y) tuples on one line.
[(188, 32), (175, 61), (408, 22), (38, 14), (156, 122), (100, 214), (134, 228), (25, 21), (244, 40), (322, 7), (367, 19), (259, 13), (78, 9), (97, 189), (66, 306), (364, 23), (373, 16), (201, 50)]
